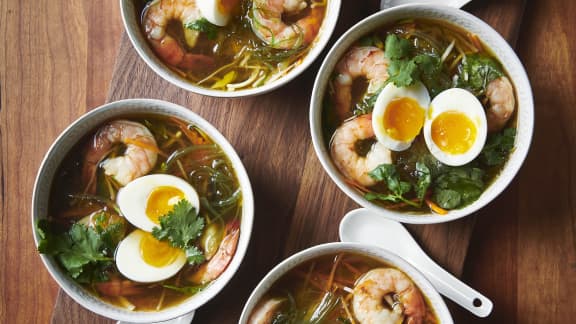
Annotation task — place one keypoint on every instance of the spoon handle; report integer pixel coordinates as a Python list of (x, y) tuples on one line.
[(385, 4)]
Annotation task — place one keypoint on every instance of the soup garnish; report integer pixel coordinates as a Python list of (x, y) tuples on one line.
[(343, 288), (144, 212), (419, 115), (231, 44)]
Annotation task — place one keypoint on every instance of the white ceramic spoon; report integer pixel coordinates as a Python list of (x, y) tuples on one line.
[(384, 4), (366, 226)]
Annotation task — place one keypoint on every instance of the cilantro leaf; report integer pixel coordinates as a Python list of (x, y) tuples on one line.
[(82, 251), (194, 255), (497, 147), (204, 26), (476, 72), (403, 72), (388, 174), (458, 187), (397, 47), (181, 227)]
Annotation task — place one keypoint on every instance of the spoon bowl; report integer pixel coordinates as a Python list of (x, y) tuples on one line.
[(368, 227)]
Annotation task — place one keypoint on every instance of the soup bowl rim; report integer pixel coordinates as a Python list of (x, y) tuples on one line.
[(375, 252), (74, 133), (139, 43), (454, 17)]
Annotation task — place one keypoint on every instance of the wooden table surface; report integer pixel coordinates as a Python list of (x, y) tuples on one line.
[(57, 62)]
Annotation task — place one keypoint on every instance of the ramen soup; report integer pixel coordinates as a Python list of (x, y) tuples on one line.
[(231, 44), (144, 212), (420, 116), (343, 288)]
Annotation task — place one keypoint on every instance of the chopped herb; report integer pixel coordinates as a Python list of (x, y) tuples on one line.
[(367, 104), (476, 72), (397, 188), (397, 47), (497, 147), (204, 26), (82, 250), (181, 227), (458, 187)]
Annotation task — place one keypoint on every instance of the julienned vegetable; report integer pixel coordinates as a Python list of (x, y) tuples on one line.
[(371, 120)]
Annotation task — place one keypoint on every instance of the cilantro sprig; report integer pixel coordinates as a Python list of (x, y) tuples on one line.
[(83, 251), (397, 188), (180, 228)]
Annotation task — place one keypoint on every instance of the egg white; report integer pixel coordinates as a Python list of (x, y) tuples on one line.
[(213, 11), (133, 198), (418, 92), (463, 101), (131, 265)]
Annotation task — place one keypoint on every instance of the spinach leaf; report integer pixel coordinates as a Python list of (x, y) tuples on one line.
[(476, 72), (424, 180), (82, 250), (458, 187), (497, 147)]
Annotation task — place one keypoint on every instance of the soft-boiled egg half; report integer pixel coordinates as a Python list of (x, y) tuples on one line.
[(455, 128), (141, 257), (145, 199), (217, 12), (399, 114)]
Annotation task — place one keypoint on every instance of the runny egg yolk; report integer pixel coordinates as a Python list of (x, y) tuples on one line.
[(157, 253), (161, 201), (453, 132), (403, 119)]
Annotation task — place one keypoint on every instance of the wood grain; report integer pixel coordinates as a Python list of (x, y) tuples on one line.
[(56, 62)]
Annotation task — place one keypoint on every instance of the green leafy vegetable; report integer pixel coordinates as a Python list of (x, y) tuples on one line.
[(397, 188), (317, 314), (407, 67), (458, 187), (181, 227), (424, 180), (83, 251), (366, 105), (497, 147), (204, 26), (476, 72)]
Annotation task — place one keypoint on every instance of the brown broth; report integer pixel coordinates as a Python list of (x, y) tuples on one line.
[(429, 37), (209, 171), (238, 54), (307, 284)]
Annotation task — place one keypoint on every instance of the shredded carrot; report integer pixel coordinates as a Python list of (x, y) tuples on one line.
[(435, 208), (145, 146), (194, 137), (474, 39), (350, 268), (333, 271), (350, 317)]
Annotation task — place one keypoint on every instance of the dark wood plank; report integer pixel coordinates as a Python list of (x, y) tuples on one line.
[(297, 205)]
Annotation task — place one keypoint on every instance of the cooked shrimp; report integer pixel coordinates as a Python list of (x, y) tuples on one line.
[(138, 159), (343, 149), (500, 93), (157, 16), (264, 314), (214, 268), (366, 61), (386, 295), (267, 23)]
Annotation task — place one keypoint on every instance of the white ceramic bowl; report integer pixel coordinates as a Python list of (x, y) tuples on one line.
[(504, 53), (69, 137), (133, 28), (285, 266)]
